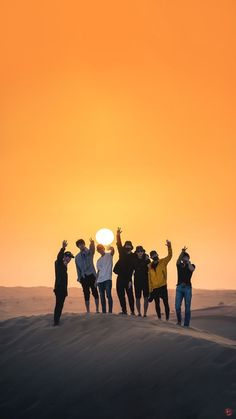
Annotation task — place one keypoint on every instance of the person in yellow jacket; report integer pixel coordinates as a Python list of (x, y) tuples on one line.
[(157, 279)]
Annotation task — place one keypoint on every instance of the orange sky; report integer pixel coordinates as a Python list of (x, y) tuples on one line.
[(118, 113)]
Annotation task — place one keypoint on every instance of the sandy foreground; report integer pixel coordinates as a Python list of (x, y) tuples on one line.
[(111, 366)]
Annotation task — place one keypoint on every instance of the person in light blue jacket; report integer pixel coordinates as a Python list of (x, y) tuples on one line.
[(86, 272)]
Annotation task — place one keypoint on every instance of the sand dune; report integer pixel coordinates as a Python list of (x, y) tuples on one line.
[(110, 367), (20, 301)]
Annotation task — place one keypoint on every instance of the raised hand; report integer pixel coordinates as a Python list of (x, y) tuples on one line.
[(91, 240), (64, 244), (184, 249), (119, 231), (112, 250), (168, 243)]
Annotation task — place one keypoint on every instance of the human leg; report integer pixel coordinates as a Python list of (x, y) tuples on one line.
[(164, 294), (120, 288), (130, 295), (178, 302), (108, 286), (102, 287), (137, 291), (145, 297), (157, 303), (187, 301), (60, 298), (94, 291), (85, 286)]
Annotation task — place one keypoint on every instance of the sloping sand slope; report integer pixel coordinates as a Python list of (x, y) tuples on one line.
[(114, 367), (20, 301)]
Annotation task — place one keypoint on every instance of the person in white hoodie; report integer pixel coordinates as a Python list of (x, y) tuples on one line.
[(104, 276)]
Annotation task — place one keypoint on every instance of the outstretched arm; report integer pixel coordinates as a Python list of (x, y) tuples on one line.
[(169, 256), (118, 240), (92, 246), (62, 250)]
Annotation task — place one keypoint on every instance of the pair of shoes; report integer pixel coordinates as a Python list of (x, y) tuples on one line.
[(132, 313), (123, 312), (144, 315), (139, 315)]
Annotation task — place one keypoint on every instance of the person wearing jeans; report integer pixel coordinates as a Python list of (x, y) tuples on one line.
[(157, 274), (104, 277), (184, 287), (86, 272)]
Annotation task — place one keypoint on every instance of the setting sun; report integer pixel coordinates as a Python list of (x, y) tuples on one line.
[(104, 236)]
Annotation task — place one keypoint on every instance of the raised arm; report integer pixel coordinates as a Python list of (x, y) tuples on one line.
[(92, 246), (191, 266), (62, 251), (118, 240), (181, 255), (169, 256), (112, 250)]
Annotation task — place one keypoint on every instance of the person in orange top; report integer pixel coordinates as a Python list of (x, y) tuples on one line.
[(157, 278)]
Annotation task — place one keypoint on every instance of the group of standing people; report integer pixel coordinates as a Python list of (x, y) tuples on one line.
[(149, 272)]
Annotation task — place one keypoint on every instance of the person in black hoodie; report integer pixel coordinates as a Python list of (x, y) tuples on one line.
[(124, 269), (61, 280), (141, 262)]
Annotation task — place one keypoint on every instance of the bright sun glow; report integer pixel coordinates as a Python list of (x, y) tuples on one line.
[(104, 236)]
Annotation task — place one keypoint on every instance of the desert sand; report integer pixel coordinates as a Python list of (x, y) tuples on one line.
[(111, 366)]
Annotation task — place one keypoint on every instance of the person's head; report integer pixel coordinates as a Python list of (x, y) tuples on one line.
[(140, 251), (101, 249), (154, 256), (80, 244), (67, 257), (128, 246), (185, 257)]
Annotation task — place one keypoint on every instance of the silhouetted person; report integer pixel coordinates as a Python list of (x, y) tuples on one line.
[(141, 262), (61, 281), (184, 287), (124, 269), (86, 272), (157, 272), (104, 276)]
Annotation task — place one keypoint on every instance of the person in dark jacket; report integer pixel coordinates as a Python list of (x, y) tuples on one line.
[(185, 269), (61, 280), (124, 269), (141, 262)]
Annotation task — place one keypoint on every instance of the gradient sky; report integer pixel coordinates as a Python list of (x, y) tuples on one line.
[(118, 113)]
